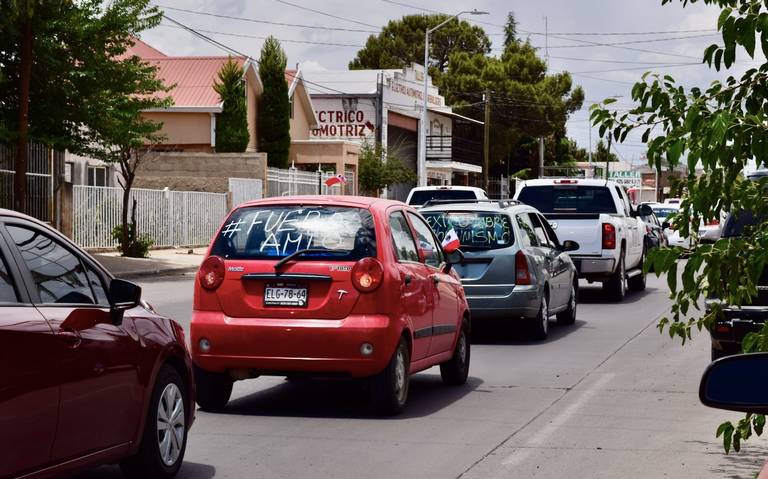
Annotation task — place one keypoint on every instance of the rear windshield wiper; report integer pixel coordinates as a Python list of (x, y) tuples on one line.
[(300, 252)]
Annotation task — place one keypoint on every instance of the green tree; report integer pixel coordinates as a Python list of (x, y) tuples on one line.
[(510, 30), (401, 42), (275, 110), (718, 129), (379, 169), (232, 124), (526, 102), (60, 64), (601, 154)]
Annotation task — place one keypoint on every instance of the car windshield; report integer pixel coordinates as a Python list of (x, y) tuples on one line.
[(422, 196), (569, 199), (663, 213), (475, 229), (274, 232)]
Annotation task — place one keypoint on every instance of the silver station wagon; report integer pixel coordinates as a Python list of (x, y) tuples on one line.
[(514, 266)]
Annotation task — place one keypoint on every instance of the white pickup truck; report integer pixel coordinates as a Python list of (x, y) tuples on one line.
[(598, 215)]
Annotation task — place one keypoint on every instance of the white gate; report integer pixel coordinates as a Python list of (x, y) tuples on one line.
[(293, 181), (170, 218), (245, 189)]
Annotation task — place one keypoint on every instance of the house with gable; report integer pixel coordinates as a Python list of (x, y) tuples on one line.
[(187, 157)]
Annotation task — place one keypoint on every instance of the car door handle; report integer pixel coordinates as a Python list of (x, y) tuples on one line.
[(71, 338), (407, 279)]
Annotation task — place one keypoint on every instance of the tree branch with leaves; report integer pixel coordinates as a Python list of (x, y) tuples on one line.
[(719, 130)]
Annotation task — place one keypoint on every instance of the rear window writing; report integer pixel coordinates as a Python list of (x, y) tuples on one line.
[(569, 199), (477, 230), (275, 232)]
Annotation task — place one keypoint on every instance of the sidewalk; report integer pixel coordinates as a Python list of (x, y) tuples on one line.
[(160, 262)]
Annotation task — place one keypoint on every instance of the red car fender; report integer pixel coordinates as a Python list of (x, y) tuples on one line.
[(170, 352)]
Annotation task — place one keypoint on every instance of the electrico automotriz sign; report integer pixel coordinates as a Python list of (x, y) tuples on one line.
[(344, 118)]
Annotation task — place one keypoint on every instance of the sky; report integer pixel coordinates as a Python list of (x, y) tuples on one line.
[(673, 39)]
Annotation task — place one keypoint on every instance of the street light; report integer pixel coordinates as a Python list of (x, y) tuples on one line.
[(422, 157)]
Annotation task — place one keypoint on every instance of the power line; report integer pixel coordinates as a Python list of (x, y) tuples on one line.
[(671, 65), (267, 22), (282, 40), (601, 60), (320, 12)]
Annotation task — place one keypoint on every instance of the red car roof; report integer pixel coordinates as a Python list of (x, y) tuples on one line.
[(357, 201)]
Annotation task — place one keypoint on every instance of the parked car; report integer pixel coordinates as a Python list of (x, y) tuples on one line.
[(654, 232), (422, 194), (91, 374), (598, 216), (326, 285), (711, 231), (498, 238), (666, 213), (728, 332), (737, 384)]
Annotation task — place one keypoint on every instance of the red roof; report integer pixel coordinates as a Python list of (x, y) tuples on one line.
[(290, 76), (143, 50), (193, 78)]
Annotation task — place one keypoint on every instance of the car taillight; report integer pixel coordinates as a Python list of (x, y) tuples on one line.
[(648, 229), (211, 273), (522, 273), (609, 236), (367, 275)]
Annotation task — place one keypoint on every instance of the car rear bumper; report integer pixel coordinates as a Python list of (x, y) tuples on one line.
[(282, 346), (587, 265), (503, 302)]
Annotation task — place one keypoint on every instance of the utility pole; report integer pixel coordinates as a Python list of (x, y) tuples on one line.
[(546, 39), (541, 157), (487, 140), (608, 155), (590, 149)]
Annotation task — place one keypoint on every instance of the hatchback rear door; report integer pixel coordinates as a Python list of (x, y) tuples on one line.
[(313, 285)]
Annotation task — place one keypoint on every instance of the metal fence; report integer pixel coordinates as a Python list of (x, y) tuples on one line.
[(292, 181), (40, 166), (245, 189), (169, 218)]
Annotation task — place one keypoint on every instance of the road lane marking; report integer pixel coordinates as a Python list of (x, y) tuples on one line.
[(543, 434)]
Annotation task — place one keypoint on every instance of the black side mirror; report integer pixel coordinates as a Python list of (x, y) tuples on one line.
[(644, 210), (570, 245), (737, 383), (665, 225), (452, 258), (123, 295)]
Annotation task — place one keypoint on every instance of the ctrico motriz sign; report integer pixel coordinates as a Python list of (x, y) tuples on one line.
[(344, 118)]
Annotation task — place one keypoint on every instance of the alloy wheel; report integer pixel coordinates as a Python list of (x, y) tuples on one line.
[(170, 424), (400, 386)]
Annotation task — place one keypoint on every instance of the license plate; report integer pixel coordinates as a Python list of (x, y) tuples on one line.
[(285, 295)]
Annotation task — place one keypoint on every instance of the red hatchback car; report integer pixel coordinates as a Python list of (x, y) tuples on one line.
[(326, 285), (89, 374)]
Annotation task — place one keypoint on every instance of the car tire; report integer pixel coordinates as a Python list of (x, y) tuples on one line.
[(568, 316), (213, 389), (455, 371), (161, 451), (616, 287), (389, 388), (541, 322), (637, 283)]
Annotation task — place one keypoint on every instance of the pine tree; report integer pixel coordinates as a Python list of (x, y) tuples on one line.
[(275, 111), (232, 125)]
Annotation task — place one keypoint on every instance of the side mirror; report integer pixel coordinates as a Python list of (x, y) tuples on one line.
[(452, 258), (570, 245), (644, 210), (737, 383), (123, 295), (665, 225)]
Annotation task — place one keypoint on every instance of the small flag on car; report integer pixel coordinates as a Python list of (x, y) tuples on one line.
[(451, 241), (336, 180)]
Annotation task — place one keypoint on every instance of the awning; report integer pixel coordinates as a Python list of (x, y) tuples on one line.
[(454, 166)]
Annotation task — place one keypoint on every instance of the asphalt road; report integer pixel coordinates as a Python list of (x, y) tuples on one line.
[(606, 398)]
